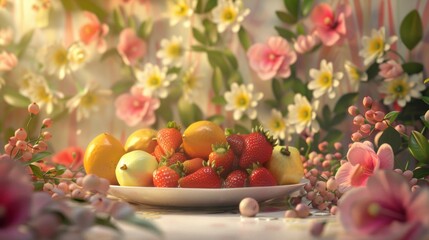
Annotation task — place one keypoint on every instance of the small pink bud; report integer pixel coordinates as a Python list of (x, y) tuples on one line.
[(353, 110), (427, 116), (326, 163), (331, 184), (367, 102), (380, 126), (27, 156), (314, 172), (121, 210), (21, 145), (302, 210), (321, 186), (400, 128), (309, 140), (343, 161), (358, 120), (365, 128), (338, 146), (47, 135), (379, 116), (33, 108), (21, 134), (12, 140), (369, 115), (356, 137), (310, 195), (90, 182), (249, 207), (323, 146), (338, 155), (290, 214), (334, 210), (47, 122), (316, 228)]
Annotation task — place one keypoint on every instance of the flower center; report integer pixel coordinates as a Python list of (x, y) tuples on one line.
[(304, 114), (229, 14), (399, 88), (42, 94), (60, 57), (154, 81), (376, 45), (242, 100), (181, 9), (327, 21), (174, 50), (277, 125), (88, 100), (272, 56), (325, 79)]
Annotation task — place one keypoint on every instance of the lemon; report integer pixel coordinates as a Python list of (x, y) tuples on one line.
[(143, 139), (286, 165), (135, 168), (102, 155), (199, 137)]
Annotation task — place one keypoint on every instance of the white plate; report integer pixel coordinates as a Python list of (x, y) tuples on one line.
[(200, 197)]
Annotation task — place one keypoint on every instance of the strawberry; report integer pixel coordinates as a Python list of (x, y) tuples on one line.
[(176, 157), (205, 177), (165, 177), (236, 141), (222, 156), (258, 148), (237, 178), (169, 138), (260, 176), (192, 165), (159, 154)]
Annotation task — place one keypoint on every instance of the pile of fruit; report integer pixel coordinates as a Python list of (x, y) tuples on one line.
[(202, 156)]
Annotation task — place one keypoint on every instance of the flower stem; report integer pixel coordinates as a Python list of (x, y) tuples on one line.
[(397, 54)]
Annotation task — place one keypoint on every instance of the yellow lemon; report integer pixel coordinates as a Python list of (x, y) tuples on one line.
[(143, 139), (135, 168), (286, 165), (199, 137), (102, 155)]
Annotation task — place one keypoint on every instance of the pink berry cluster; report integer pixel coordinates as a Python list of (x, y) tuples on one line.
[(371, 119), (21, 146)]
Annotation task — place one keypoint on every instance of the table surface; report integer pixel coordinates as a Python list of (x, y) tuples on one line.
[(222, 223)]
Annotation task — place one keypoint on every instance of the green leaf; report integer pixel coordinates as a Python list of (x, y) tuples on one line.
[(300, 29), (14, 98), (92, 7), (36, 171), (122, 86), (277, 89), (418, 146), (286, 17), (412, 67), (145, 29), (118, 19), (326, 113), (211, 32), (285, 33), (232, 60), (391, 116), (217, 81), (411, 29), (23, 43), (372, 71), (293, 7), (109, 53), (334, 135), (204, 6), (241, 129), (218, 119), (38, 185), (37, 157), (243, 36), (421, 172), (198, 48), (391, 137), (219, 100), (199, 36), (165, 111), (189, 112), (306, 6), (426, 99), (345, 102)]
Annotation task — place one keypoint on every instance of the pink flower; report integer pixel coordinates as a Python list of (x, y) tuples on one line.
[(94, 32), (363, 162), (71, 157), (135, 108), (6, 36), (327, 27), (130, 46), (272, 59), (385, 209), (8, 61), (15, 198), (306, 43), (390, 69)]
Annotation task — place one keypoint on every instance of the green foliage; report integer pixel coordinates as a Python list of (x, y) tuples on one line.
[(286, 17), (293, 7), (285, 33), (421, 172), (391, 137), (189, 112), (23, 43), (412, 67), (122, 86), (411, 29), (418, 146), (205, 6), (372, 71), (145, 29), (391, 116), (243, 36), (334, 135), (14, 98), (306, 6)]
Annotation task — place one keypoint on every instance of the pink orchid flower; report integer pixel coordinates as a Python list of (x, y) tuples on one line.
[(15, 198), (70, 157), (94, 32), (130, 46), (305, 43), (272, 59), (385, 208), (136, 108), (8, 61), (363, 162), (390, 69), (327, 27)]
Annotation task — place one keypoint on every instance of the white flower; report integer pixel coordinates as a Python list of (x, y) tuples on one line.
[(229, 13), (324, 80), (402, 88), (154, 80), (172, 51), (277, 125), (181, 10), (88, 100), (190, 83), (241, 99), (375, 46), (355, 75), (302, 114), (77, 55)]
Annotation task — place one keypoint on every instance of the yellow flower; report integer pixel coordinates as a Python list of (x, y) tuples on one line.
[(181, 10), (302, 114), (241, 99), (277, 125), (154, 80), (355, 75), (172, 51), (324, 80), (229, 13), (190, 83), (402, 88), (375, 46), (88, 100)]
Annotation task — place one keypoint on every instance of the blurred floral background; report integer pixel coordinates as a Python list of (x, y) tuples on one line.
[(293, 66)]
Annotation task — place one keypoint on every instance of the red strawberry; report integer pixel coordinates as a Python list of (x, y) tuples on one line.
[(222, 156), (237, 178), (176, 157), (165, 177), (260, 176), (205, 177), (192, 165), (159, 154), (169, 138), (236, 142), (258, 148)]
